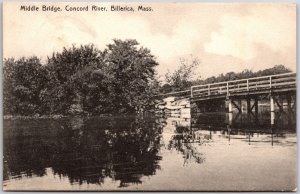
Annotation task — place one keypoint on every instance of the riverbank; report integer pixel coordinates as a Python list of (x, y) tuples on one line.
[(23, 117)]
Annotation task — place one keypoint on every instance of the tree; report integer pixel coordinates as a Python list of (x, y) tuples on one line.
[(182, 77), (82, 80), (131, 69), (277, 69), (68, 75), (86, 80), (22, 83)]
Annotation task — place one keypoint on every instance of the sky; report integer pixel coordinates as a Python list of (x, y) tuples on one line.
[(224, 37)]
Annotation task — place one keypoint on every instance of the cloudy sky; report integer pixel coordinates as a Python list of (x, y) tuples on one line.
[(224, 37)]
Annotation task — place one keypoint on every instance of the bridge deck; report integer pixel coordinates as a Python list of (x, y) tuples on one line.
[(251, 86)]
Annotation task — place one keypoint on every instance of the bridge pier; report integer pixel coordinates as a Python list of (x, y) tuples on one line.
[(230, 112), (289, 107), (231, 105), (239, 104), (250, 108), (284, 104), (272, 109)]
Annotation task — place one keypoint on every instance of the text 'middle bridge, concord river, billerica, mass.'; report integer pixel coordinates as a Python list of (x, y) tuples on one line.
[(52, 8)]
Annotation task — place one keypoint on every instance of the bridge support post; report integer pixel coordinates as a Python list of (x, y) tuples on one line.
[(230, 112), (272, 106), (250, 111), (256, 108), (289, 107), (248, 105), (230, 106)]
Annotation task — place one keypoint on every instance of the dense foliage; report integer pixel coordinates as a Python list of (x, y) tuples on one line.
[(184, 82), (23, 81), (277, 69), (81, 80)]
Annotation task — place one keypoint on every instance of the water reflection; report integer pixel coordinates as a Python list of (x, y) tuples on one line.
[(184, 140), (83, 150), (143, 152), (190, 135), (244, 127)]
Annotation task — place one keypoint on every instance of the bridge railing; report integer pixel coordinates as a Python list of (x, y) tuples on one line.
[(286, 80)]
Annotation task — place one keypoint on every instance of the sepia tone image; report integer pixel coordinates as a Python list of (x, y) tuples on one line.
[(101, 96)]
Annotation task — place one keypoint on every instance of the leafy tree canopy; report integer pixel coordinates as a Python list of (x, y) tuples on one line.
[(81, 80)]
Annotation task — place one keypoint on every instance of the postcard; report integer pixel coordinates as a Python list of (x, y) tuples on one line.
[(107, 96)]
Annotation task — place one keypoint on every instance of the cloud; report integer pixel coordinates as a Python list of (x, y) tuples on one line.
[(218, 34), (239, 34), (49, 33)]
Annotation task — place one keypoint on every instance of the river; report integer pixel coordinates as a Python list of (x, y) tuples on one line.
[(150, 153)]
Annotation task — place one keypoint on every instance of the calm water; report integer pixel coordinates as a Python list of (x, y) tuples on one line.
[(149, 153)]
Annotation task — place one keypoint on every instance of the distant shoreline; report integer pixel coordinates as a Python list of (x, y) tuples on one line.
[(14, 117)]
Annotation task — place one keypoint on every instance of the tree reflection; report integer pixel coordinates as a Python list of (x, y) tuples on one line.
[(84, 150), (186, 141)]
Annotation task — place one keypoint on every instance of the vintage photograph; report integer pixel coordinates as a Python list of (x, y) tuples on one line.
[(106, 96)]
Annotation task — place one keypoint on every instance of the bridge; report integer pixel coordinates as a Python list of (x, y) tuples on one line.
[(251, 86), (279, 90)]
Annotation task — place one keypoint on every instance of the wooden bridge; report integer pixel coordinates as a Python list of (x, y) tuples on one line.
[(251, 86), (279, 89)]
